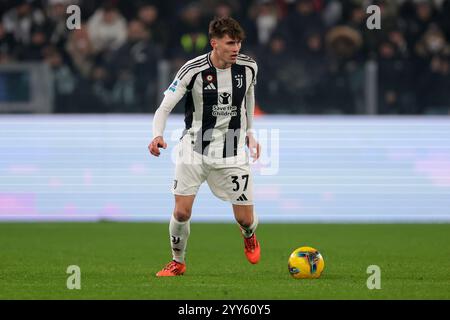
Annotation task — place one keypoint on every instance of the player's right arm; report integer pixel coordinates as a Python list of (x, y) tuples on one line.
[(172, 96)]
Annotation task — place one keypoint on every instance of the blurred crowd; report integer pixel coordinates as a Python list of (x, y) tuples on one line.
[(312, 54)]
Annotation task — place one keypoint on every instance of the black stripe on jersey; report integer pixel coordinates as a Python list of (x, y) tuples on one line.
[(239, 86), (191, 84), (210, 99), (197, 65), (194, 66), (183, 68), (189, 107), (245, 58)]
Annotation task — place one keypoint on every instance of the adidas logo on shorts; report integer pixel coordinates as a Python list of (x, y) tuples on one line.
[(242, 198)]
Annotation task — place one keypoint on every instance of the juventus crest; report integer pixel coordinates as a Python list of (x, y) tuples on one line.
[(239, 80)]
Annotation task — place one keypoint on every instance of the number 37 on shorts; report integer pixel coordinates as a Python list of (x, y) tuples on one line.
[(232, 184)]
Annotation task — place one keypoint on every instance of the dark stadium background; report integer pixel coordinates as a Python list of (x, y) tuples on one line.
[(303, 48)]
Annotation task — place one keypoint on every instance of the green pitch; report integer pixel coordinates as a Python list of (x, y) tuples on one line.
[(119, 261)]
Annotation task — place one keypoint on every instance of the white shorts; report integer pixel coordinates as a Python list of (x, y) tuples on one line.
[(231, 182)]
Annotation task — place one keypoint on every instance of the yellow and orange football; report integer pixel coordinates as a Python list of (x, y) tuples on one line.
[(306, 263)]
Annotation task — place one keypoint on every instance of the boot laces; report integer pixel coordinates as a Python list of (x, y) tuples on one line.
[(250, 243), (171, 266)]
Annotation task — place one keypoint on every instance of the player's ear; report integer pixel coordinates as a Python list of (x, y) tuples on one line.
[(213, 42)]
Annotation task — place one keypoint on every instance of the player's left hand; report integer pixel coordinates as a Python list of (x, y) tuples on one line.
[(254, 147), (157, 142)]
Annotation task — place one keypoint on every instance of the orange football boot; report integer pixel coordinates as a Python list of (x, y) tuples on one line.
[(172, 269), (252, 249)]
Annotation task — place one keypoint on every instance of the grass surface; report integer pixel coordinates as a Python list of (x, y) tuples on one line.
[(119, 261)]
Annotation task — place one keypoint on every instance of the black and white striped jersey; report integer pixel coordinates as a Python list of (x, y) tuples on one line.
[(219, 104)]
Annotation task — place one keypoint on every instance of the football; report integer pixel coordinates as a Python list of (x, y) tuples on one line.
[(305, 263)]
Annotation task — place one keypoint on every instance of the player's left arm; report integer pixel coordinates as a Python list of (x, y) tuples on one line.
[(172, 96), (252, 143)]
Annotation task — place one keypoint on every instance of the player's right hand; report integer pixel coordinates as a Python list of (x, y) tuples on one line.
[(157, 142)]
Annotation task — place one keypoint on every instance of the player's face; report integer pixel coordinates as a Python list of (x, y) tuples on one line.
[(227, 48)]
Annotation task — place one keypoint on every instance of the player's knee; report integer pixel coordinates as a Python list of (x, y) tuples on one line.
[(182, 214)]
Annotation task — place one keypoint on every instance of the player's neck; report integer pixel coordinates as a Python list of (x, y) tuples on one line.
[(219, 63)]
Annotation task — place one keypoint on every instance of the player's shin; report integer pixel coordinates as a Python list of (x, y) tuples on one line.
[(179, 234)]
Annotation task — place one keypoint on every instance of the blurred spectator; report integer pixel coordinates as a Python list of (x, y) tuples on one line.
[(274, 89), (157, 28), (34, 50), (418, 19), (292, 84), (221, 8), (355, 16), (134, 65), (433, 55), (345, 76), (397, 38), (64, 81), (332, 13), (433, 42), (266, 20), (191, 34), (315, 72), (81, 51), (107, 28), (343, 43), (394, 74), (190, 37), (438, 100), (56, 22), (20, 21), (6, 45), (389, 14), (444, 18), (298, 22)]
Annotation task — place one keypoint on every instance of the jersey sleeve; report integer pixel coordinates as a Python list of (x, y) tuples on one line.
[(172, 96), (250, 98), (255, 75)]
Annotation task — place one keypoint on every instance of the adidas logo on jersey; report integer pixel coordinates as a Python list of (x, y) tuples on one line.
[(210, 86), (242, 198)]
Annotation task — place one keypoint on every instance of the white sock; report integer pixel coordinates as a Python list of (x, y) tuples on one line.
[(250, 230), (179, 234)]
